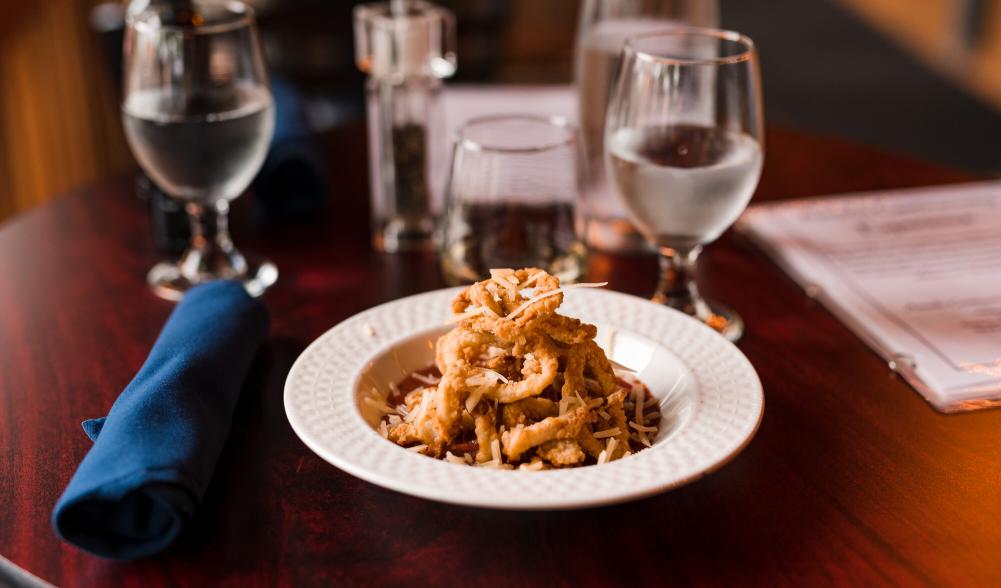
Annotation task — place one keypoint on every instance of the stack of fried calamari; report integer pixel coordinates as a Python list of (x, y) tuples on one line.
[(522, 385)]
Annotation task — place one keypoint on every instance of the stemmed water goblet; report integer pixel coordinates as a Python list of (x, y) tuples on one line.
[(684, 147), (199, 115)]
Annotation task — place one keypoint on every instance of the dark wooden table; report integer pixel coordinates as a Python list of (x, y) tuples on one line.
[(852, 478)]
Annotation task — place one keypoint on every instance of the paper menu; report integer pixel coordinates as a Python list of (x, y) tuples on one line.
[(915, 273)]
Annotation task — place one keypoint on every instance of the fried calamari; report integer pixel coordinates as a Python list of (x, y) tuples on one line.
[(521, 385)]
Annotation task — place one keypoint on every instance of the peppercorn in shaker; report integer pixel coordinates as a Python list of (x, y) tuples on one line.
[(407, 49)]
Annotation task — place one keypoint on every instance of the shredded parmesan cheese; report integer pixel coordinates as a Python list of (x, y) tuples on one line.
[(418, 448), (638, 402), (532, 301), (643, 428), (532, 279), (379, 405), (585, 285), (486, 376), (421, 409), (618, 367), (499, 466), (470, 313), (493, 352), (607, 433), (502, 280), (474, 398), (539, 297), (426, 379)]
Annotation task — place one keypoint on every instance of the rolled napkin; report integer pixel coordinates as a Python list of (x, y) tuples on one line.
[(153, 455)]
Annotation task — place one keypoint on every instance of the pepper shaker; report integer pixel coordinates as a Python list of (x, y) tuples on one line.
[(407, 49)]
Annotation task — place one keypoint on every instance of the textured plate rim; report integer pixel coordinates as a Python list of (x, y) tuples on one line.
[(527, 494)]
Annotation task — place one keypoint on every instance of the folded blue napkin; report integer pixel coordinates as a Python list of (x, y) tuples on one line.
[(153, 455)]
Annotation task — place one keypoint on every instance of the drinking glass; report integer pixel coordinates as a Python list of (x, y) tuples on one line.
[(604, 26), (684, 149), (198, 117), (510, 200)]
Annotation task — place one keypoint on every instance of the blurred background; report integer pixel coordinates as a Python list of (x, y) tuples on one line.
[(921, 77)]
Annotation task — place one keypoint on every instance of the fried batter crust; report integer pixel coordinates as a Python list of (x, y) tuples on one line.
[(503, 300), (518, 359), (614, 408), (561, 452), (588, 443), (526, 410), (486, 433), (519, 440)]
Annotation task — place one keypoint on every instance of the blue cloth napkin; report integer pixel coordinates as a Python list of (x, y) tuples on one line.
[(153, 455)]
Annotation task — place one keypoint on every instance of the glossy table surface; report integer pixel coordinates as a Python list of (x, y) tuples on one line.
[(851, 479)]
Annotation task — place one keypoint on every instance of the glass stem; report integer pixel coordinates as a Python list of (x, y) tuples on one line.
[(211, 253), (677, 287)]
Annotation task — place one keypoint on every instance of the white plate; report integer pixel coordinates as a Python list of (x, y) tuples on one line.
[(710, 397)]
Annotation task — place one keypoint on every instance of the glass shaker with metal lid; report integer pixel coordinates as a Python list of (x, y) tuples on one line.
[(407, 49)]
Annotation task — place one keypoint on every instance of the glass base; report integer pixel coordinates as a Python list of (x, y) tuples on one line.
[(721, 318), (403, 235), (169, 282), (614, 236), (724, 320)]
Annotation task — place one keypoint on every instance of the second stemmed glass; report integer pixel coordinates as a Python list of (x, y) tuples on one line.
[(604, 25), (199, 116), (684, 147)]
